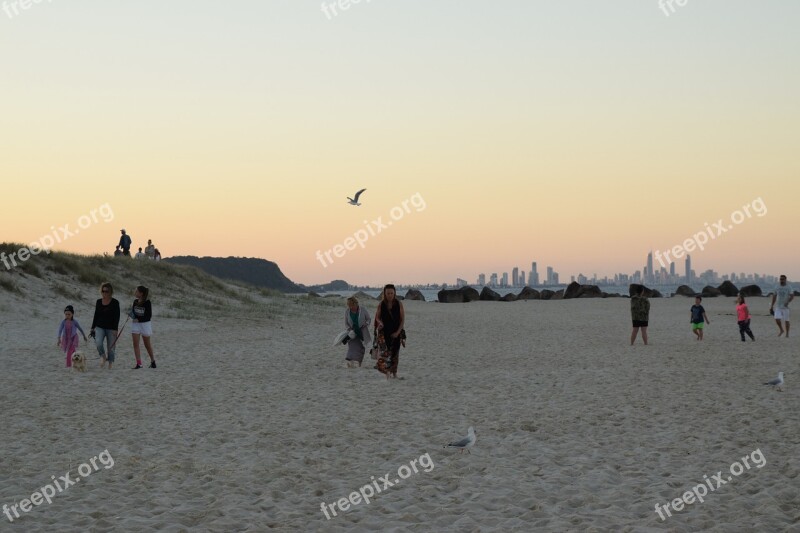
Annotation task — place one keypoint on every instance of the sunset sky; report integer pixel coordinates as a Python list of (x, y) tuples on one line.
[(578, 134)]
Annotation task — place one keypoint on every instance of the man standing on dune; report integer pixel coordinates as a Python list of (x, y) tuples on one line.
[(782, 296), (125, 243)]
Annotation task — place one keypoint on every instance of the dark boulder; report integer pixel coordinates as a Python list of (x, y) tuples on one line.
[(414, 294), (728, 289), (488, 294), (590, 291), (528, 294), (458, 296), (361, 296), (750, 290), (710, 292), (649, 293), (546, 294), (685, 290), (510, 297), (558, 295), (575, 290), (572, 290)]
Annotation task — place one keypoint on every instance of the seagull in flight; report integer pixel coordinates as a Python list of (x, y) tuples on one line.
[(465, 443), (777, 382), (354, 201)]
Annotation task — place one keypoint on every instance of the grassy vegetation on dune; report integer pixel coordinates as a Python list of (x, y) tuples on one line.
[(185, 291)]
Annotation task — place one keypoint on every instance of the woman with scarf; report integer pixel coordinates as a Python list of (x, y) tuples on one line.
[(356, 320), (389, 321)]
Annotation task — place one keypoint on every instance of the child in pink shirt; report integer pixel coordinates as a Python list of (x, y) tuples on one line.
[(743, 316)]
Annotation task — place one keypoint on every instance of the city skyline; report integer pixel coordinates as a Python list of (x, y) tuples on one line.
[(648, 275)]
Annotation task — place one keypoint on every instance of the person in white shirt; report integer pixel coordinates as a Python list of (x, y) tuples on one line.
[(140, 254), (783, 297)]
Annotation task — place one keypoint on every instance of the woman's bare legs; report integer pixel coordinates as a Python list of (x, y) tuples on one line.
[(136, 351), (149, 348)]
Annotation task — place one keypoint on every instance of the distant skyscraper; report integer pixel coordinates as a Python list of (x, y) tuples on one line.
[(522, 278), (688, 269), (493, 280), (504, 283), (515, 277), (533, 279), (550, 275), (649, 275), (481, 280), (672, 268)]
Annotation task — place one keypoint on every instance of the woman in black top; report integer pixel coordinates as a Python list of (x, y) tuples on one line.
[(141, 312), (105, 324), (389, 320)]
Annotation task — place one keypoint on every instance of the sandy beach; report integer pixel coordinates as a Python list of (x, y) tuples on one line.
[(252, 423)]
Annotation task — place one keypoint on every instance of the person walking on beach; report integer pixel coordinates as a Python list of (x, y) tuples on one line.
[(698, 318), (640, 314), (389, 320), (783, 297), (68, 334), (743, 318), (141, 312), (105, 324), (125, 242), (356, 320)]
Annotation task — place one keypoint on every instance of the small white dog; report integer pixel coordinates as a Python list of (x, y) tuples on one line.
[(79, 361)]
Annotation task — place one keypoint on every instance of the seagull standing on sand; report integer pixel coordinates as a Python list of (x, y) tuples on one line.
[(777, 382), (354, 201), (465, 443)]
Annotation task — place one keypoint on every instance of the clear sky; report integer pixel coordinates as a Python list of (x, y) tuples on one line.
[(578, 134)]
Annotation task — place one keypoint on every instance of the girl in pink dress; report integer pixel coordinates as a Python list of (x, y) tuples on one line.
[(68, 334)]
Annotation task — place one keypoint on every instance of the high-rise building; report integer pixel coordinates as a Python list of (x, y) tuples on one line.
[(515, 277), (504, 282), (522, 278), (533, 279), (550, 275), (672, 268), (688, 266), (481, 280), (493, 280), (649, 274)]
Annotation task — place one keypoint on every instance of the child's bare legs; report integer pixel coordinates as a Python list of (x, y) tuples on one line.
[(700, 334), (780, 326), (697, 334)]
